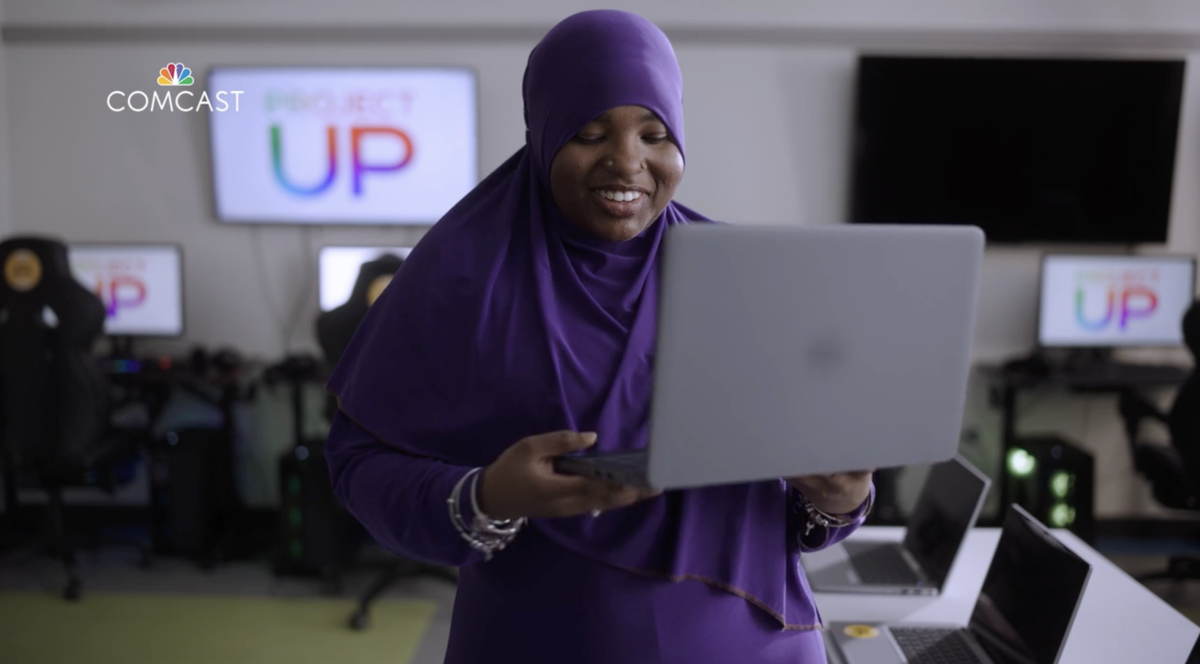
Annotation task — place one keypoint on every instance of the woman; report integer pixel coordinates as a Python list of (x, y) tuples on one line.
[(521, 327)]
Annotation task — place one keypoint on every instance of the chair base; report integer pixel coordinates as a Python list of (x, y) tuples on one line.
[(1179, 568), (401, 569)]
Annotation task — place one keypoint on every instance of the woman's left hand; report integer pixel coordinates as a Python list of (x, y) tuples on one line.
[(839, 493)]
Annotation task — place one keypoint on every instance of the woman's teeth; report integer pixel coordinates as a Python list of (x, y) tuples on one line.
[(621, 196)]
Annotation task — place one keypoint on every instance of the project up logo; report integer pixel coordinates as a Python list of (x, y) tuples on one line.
[(174, 75)]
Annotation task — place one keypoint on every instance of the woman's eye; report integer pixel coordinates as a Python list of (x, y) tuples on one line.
[(587, 139), (655, 139)]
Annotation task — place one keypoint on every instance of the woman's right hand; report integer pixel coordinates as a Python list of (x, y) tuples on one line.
[(522, 482)]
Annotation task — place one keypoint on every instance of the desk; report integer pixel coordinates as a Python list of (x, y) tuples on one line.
[(1115, 607), (1102, 379)]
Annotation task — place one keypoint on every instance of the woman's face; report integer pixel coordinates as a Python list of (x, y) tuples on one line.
[(616, 175)]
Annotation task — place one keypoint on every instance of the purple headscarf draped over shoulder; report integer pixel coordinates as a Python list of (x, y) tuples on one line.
[(506, 322)]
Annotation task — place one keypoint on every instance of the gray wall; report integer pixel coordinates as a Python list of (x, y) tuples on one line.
[(768, 103)]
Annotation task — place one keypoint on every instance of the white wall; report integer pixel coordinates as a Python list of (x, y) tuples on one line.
[(1159, 16), (768, 104)]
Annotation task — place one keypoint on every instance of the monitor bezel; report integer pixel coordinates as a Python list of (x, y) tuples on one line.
[(178, 247), (1103, 255), (214, 209)]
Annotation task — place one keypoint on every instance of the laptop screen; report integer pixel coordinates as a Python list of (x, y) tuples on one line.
[(1029, 595), (945, 511)]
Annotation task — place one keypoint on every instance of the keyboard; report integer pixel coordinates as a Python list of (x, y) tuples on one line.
[(881, 565), (625, 467), (934, 645)]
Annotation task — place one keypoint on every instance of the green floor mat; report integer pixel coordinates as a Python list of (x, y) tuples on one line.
[(197, 629)]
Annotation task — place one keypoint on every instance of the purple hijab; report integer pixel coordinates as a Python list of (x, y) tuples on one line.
[(506, 322)]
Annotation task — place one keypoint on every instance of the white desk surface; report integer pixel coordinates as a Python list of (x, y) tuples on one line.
[(1118, 621)]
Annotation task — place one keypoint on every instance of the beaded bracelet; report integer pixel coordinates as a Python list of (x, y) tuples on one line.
[(819, 518), (483, 533)]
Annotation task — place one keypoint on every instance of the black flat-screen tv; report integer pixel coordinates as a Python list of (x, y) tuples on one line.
[(1030, 150)]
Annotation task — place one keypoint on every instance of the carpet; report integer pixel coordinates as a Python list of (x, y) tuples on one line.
[(197, 629)]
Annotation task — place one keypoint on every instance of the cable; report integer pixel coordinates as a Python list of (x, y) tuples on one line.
[(308, 278), (264, 281)]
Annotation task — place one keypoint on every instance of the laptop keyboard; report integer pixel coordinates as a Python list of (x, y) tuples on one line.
[(881, 565), (635, 460), (932, 645)]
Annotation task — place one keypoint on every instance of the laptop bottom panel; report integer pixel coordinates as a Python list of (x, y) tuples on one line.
[(628, 468)]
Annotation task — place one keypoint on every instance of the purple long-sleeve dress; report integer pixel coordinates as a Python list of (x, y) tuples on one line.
[(559, 606), (507, 321)]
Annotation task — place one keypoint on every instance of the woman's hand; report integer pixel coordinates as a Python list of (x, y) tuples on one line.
[(837, 494), (522, 482)]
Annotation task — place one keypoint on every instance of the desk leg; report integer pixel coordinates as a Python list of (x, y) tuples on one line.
[(1008, 433)]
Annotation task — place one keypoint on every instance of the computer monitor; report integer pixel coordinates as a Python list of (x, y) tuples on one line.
[(1114, 301), (338, 270), (343, 145), (141, 286)]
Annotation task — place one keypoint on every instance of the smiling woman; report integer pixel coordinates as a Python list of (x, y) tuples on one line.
[(523, 327)]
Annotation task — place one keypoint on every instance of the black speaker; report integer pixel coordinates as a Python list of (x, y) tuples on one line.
[(189, 490), (316, 535), (1055, 480)]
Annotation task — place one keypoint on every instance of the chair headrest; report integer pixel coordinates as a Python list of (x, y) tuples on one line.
[(1191, 328), (30, 266)]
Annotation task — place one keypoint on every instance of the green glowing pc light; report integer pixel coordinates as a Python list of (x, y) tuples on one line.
[(1062, 515), (1021, 462), (1060, 484)]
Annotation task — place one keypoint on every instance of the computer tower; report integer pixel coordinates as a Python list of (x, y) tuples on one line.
[(1055, 480), (189, 490), (316, 534)]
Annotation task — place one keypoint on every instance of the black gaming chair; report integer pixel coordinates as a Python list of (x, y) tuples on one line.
[(1173, 471), (54, 401), (335, 329)]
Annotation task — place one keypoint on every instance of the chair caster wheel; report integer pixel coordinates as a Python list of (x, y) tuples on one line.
[(359, 621)]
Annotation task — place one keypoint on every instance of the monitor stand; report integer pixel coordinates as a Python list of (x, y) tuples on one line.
[(1083, 358), (120, 348)]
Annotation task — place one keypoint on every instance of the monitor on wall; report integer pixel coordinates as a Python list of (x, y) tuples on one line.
[(140, 285), (1028, 149), (1114, 301), (343, 145), (338, 267)]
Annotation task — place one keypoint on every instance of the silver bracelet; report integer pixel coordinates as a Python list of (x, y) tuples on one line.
[(483, 533), (816, 517)]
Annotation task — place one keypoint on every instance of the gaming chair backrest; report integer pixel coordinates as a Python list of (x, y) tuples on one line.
[(335, 328), (53, 398), (1184, 418)]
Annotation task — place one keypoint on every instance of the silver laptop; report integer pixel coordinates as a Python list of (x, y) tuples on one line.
[(949, 504), (1022, 615), (787, 351)]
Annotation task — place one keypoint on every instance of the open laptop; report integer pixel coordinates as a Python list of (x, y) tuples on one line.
[(1022, 615), (946, 510), (786, 351)]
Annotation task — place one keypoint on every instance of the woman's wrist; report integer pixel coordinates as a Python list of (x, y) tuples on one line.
[(482, 532)]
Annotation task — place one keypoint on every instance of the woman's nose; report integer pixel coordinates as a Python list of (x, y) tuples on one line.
[(628, 157)]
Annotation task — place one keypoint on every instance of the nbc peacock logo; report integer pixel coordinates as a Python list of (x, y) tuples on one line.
[(175, 74)]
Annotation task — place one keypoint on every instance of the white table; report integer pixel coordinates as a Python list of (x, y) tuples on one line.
[(1119, 620)]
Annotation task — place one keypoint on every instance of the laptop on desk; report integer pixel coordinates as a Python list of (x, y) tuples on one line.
[(787, 351), (1022, 615), (945, 512)]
